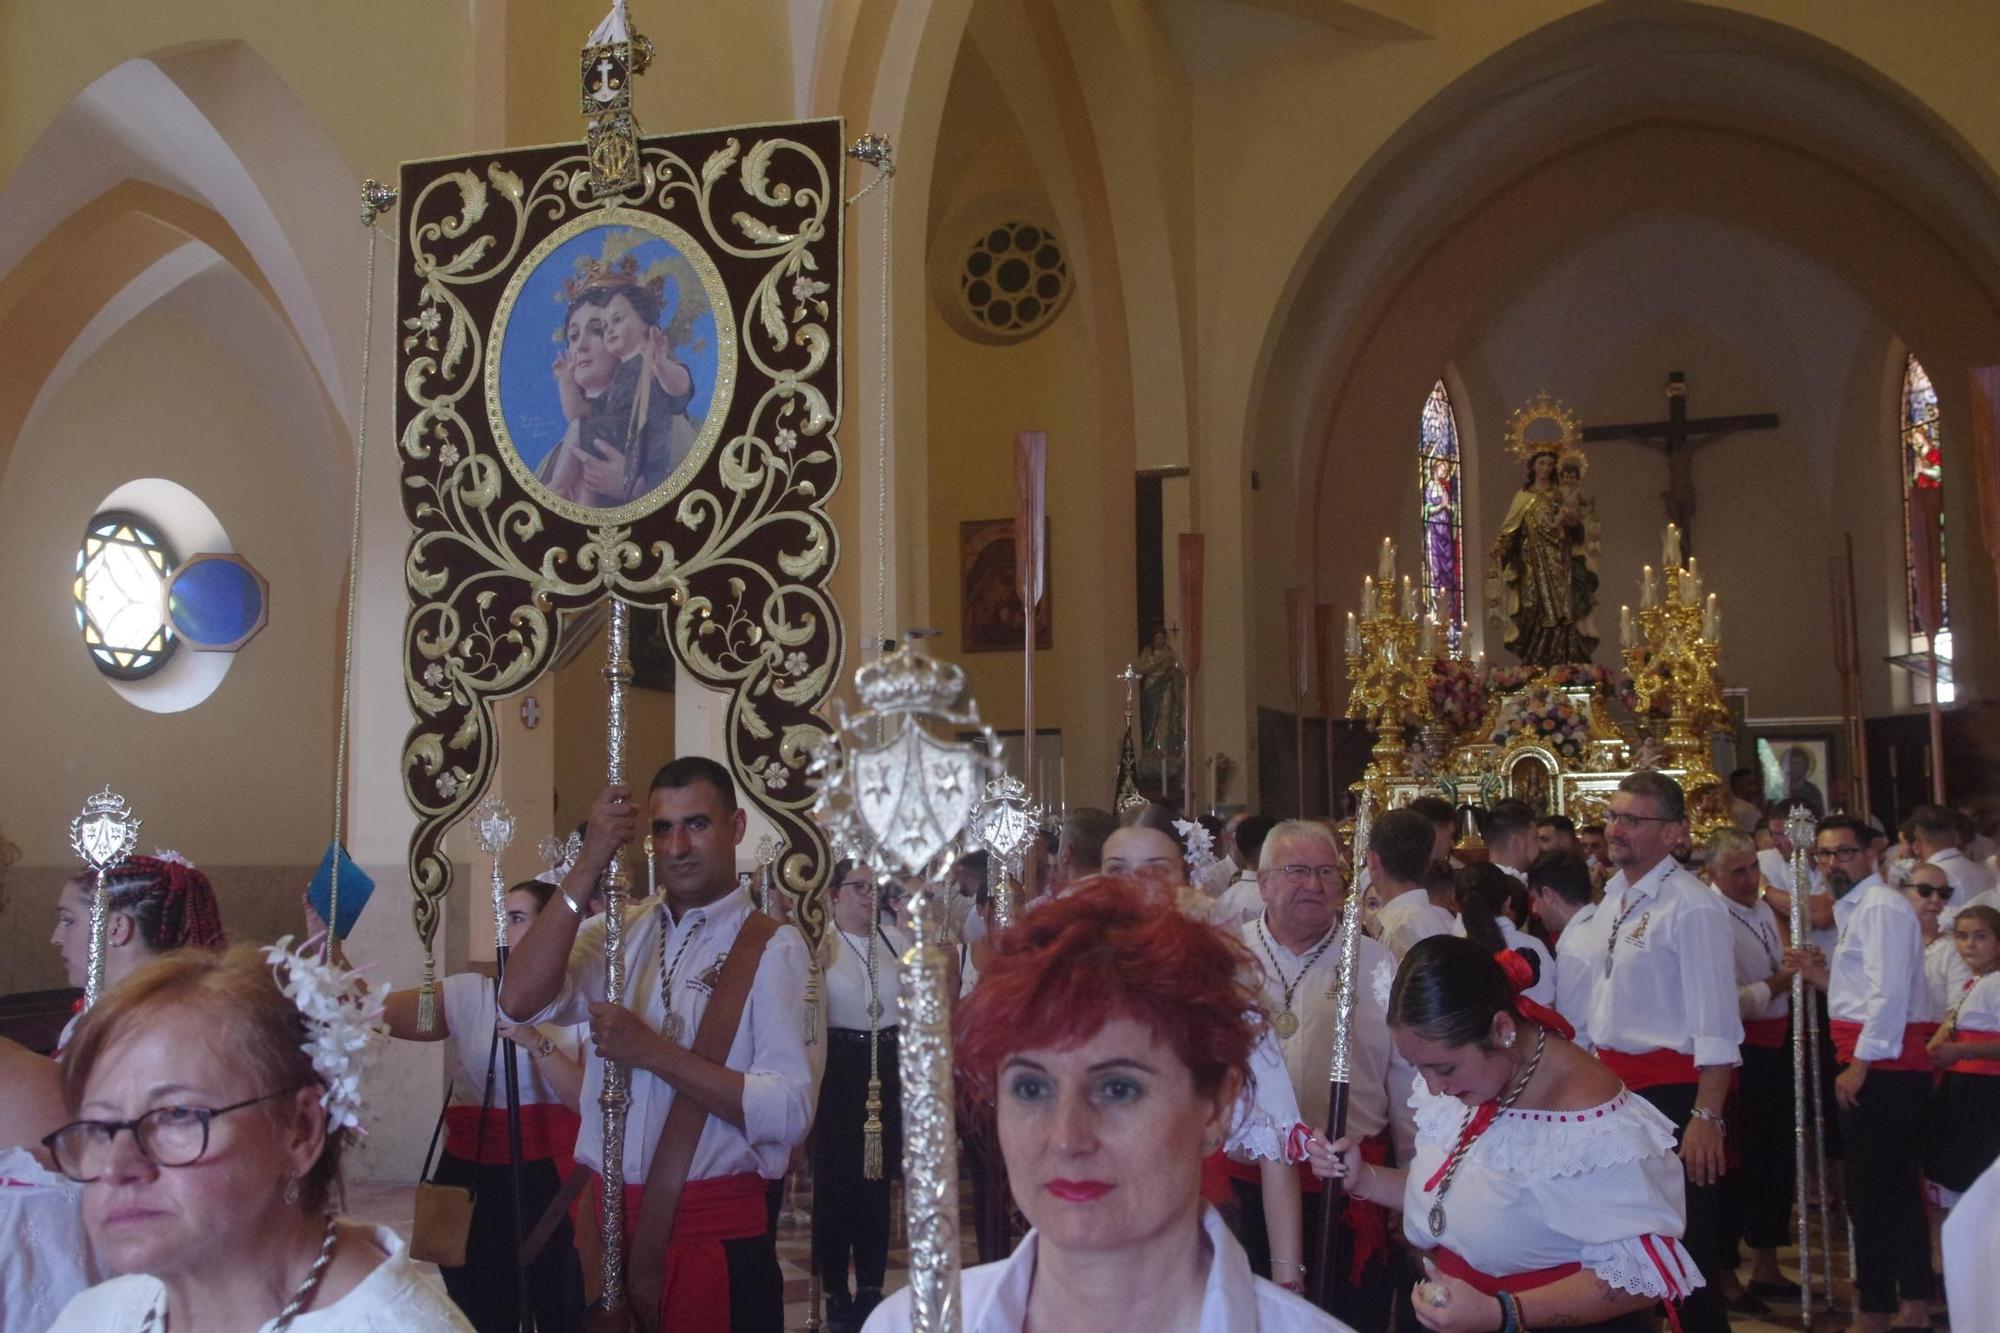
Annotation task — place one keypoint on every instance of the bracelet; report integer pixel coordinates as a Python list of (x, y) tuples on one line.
[(1289, 1263), (543, 1047), (1712, 1117), (570, 902), (1510, 1313)]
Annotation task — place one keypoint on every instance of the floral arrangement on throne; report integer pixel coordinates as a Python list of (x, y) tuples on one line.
[(1548, 715)]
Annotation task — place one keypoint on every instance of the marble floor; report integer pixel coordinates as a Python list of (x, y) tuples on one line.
[(393, 1205)]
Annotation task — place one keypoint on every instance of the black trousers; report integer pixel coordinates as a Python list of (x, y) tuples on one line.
[(756, 1285), (1757, 1193), (1704, 1310), (484, 1286), (1359, 1305), (1885, 1199), (850, 1219)]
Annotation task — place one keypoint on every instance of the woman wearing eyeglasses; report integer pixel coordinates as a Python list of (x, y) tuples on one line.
[(209, 1148)]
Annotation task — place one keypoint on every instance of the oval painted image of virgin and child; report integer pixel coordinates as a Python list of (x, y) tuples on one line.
[(609, 347)]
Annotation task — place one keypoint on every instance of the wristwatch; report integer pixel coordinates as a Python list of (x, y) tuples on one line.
[(544, 1047), (1703, 1113)]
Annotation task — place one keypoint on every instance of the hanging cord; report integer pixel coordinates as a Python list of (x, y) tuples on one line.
[(375, 198), (876, 151), (871, 1128)]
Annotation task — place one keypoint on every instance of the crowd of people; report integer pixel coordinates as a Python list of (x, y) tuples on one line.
[(1568, 1095)]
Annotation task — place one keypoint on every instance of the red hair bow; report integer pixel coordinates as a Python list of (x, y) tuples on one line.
[(1520, 975)]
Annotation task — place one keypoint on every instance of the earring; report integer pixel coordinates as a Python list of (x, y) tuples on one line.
[(1507, 1042), (291, 1189)]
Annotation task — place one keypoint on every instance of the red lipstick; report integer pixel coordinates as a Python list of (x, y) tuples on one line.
[(1079, 1191)]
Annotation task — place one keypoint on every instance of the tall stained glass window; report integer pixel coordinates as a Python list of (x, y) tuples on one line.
[(1443, 524), (1922, 459)]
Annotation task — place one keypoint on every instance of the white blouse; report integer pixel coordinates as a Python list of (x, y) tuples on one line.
[(47, 1258), (994, 1297), (469, 1011), (1539, 1189), (1977, 1004), (1268, 1109), (398, 1297), (1945, 972), (846, 978)]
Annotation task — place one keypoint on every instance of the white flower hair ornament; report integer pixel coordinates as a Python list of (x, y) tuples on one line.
[(1200, 844), (172, 857), (344, 1031)]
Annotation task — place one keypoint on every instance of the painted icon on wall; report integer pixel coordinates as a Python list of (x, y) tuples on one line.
[(990, 604)]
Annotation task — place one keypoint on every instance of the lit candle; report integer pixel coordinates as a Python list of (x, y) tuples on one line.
[(1353, 635), (1427, 637), (1670, 548), (1694, 567), (1368, 595), (1387, 569), (1624, 627), (1409, 606), (1690, 589), (1646, 588), (1711, 618)]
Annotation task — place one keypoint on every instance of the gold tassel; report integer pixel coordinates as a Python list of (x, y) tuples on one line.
[(812, 1007), (871, 1133), (427, 997)]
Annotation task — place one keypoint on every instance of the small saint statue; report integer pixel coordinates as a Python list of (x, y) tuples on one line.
[(1544, 562)]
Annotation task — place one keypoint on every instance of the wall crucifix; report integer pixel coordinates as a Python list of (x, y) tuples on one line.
[(1678, 437)]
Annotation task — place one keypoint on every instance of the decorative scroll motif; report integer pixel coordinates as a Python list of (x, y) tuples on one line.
[(742, 229)]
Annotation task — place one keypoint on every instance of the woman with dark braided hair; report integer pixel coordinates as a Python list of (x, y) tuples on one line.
[(158, 904)]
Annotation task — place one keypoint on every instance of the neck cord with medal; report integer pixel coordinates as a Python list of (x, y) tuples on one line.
[(1476, 1123), (674, 1025), (1286, 1025), (1628, 901), (156, 1317), (1757, 935)]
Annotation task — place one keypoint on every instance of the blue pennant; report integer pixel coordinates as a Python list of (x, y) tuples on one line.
[(355, 890)]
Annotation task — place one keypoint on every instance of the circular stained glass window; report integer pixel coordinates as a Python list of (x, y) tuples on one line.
[(1015, 279), (121, 578)]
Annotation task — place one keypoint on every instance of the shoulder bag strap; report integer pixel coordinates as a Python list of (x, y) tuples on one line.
[(430, 1154), (674, 1153)]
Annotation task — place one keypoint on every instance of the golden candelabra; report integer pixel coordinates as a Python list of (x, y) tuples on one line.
[(1671, 647), (1389, 651)]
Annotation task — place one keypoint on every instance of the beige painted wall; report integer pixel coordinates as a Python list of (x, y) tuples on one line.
[(244, 779)]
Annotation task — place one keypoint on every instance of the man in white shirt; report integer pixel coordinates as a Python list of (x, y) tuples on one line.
[(1937, 842), (1559, 892), (758, 1101), (1400, 849), (1757, 1196), (1596, 854), (1557, 833), (1879, 1008), (1297, 940), (1243, 899), (1080, 848), (1510, 838), (1663, 1011)]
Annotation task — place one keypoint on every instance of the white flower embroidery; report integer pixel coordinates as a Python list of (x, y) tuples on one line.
[(448, 454), (427, 319), (805, 288), (434, 675), (1200, 845), (447, 783), (796, 664), (1385, 980), (786, 439)]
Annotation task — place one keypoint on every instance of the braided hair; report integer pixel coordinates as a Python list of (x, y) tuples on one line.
[(170, 903)]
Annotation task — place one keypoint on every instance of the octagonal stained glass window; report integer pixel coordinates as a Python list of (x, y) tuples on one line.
[(121, 577)]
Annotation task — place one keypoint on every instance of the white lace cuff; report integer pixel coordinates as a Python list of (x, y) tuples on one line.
[(1656, 1266)]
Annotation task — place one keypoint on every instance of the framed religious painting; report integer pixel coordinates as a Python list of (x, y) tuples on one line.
[(624, 402), (990, 618), (1795, 769)]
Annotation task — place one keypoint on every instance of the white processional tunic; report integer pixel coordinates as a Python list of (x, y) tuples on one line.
[(1758, 952), (469, 1013), (1315, 1001), (845, 977), (1579, 962), (1667, 980), (1600, 1187), (1410, 917), (1876, 976), (779, 1084), (994, 1297)]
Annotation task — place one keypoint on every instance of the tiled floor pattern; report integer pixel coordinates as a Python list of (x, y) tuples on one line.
[(392, 1205)]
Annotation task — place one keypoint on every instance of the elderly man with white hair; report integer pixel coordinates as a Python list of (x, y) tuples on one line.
[(1297, 939)]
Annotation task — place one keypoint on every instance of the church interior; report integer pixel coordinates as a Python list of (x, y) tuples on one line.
[(1276, 273)]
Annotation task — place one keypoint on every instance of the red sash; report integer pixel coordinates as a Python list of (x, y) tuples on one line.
[(694, 1277), (1914, 1058), (1988, 1067), (1449, 1263), (1768, 1033), (1656, 1068), (547, 1131), (1367, 1222)]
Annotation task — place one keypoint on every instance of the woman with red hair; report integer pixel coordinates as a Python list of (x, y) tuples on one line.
[(1541, 1191), (1108, 1045)]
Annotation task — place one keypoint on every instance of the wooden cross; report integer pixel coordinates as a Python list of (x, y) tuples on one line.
[(1679, 437)]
